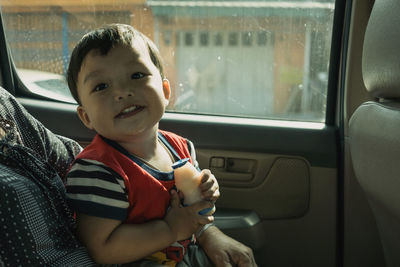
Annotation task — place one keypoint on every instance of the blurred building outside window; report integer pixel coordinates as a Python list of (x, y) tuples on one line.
[(257, 59)]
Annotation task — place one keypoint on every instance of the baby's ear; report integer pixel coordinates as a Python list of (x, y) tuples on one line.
[(84, 117), (166, 89)]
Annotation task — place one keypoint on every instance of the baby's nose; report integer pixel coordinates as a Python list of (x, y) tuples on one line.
[(122, 93), (120, 97)]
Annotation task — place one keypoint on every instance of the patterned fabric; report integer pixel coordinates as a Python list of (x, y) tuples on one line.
[(36, 225)]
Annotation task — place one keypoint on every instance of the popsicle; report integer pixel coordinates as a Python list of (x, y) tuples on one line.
[(187, 180)]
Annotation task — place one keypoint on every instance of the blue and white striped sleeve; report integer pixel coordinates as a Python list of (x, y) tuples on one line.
[(96, 190)]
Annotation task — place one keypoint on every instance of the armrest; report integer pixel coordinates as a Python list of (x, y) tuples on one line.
[(229, 219)]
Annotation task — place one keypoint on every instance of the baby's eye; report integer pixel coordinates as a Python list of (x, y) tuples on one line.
[(137, 75), (100, 87)]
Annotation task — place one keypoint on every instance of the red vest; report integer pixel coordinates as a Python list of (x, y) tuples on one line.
[(148, 197)]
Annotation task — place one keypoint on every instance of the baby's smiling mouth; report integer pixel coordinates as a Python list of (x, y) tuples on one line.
[(129, 111)]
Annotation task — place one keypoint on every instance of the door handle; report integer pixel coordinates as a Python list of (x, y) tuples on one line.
[(233, 169)]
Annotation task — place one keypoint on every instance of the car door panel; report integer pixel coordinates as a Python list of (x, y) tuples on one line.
[(279, 187)]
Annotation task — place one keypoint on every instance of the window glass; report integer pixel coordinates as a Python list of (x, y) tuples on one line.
[(260, 59)]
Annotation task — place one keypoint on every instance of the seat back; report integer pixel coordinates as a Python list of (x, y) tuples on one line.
[(374, 128)]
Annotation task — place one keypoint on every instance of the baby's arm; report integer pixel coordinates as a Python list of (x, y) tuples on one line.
[(111, 241), (98, 195)]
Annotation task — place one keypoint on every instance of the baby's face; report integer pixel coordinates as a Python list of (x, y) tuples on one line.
[(122, 93)]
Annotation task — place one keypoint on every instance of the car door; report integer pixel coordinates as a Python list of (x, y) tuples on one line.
[(257, 97)]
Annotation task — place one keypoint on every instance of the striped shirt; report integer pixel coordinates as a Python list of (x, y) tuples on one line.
[(95, 189), (107, 181)]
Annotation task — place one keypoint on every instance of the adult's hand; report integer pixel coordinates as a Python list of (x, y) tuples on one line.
[(225, 251)]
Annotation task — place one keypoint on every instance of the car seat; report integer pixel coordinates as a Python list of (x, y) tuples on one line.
[(374, 128)]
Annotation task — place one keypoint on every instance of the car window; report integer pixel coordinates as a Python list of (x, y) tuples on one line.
[(49, 84), (255, 59)]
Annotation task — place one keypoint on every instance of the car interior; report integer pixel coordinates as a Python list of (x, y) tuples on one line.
[(373, 127), (299, 192)]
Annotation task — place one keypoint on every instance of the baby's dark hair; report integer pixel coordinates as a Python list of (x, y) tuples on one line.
[(103, 39)]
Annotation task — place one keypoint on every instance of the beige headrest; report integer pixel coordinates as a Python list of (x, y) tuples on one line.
[(381, 52)]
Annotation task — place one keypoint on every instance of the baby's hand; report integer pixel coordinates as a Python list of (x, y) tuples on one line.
[(209, 186), (185, 221)]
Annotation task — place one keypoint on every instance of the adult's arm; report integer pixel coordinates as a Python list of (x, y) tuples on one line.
[(34, 193), (225, 251)]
